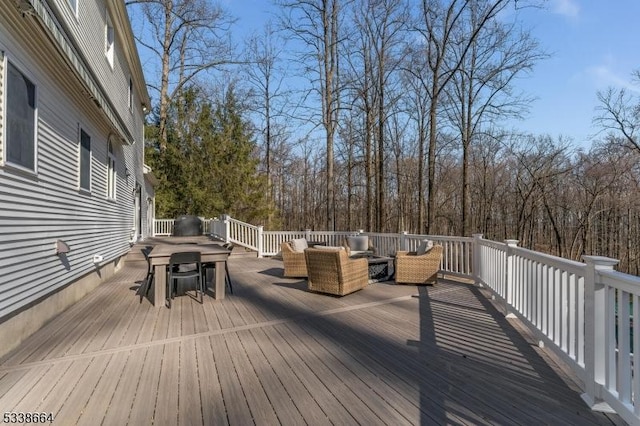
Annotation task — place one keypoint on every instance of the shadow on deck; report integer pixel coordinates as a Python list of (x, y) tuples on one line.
[(274, 353)]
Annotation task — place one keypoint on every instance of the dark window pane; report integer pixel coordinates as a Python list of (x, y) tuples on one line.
[(21, 107), (85, 160)]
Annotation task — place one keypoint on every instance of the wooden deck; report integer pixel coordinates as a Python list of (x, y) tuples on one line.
[(274, 353)]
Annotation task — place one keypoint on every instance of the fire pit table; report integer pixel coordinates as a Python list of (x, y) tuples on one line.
[(380, 267)]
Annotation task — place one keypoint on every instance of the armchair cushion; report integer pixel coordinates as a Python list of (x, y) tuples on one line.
[(359, 243), (424, 247), (299, 244), (359, 246)]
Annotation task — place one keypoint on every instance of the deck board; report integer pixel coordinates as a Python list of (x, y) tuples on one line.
[(390, 358), (231, 392), (82, 391), (257, 399), (274, 353), (275, 391), (59, 393), (213, 410), (123, 396), (166, 412), (189, 400), (96, 408), (326, 400), (143, 406)]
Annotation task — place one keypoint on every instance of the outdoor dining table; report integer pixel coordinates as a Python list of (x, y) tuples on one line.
[(161, 253)]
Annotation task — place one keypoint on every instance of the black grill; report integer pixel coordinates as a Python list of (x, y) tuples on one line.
[(187, 226)]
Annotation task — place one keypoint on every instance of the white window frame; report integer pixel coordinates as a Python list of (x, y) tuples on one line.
[(109, 40), (6, 64), (80, 160), (112, 175)]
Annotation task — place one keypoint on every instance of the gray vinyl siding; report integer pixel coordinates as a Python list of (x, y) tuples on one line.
[(88, 29), (36, 209)]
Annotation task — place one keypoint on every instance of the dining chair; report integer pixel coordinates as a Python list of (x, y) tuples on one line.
[(212, 265), (148, 279), (184, 265)]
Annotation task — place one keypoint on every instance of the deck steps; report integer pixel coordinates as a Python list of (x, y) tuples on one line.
[(135, 254)]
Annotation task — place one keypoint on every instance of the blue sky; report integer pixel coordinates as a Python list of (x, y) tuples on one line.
[(593, 44)]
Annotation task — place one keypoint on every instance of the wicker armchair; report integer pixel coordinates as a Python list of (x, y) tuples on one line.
[(294, 264), (418, 269), (333, 272)]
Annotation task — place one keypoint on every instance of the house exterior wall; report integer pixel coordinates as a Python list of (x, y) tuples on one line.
[(38, 208)]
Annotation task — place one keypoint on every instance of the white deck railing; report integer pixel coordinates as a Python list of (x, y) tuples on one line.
[(583, 312), (164, 227)]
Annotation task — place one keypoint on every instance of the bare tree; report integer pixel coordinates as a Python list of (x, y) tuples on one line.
[(187, 37), (316, 24), (437, 28), (417, 105), (481, 91), (619, 112), (264, 52)]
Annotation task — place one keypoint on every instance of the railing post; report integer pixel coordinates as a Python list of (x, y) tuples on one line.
[(508, 278), (226, 227), (260, 241), (153, 232), (595, 332), (215, 226), (404, 246), (477, 265), (307, 234)]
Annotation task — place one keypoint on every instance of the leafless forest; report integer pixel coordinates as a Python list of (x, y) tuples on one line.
[(398, 115)]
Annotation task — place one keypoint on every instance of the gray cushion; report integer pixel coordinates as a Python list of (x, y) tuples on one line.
[(359, 243), (299, 244), (425, 246)]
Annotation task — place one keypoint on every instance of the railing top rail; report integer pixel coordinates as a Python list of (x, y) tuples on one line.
[(311, 232), (243, 224), (622, 281), (494, 244), (568, 265), (439, 237)]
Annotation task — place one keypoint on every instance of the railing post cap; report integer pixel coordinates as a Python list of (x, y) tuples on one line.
[(512, 243), (477, 236), (600, 262), (405, 233)]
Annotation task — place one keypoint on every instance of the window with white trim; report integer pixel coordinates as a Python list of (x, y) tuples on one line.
[(85, 161), (111, 173), (110, 40), (20, 116)]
